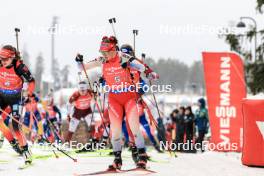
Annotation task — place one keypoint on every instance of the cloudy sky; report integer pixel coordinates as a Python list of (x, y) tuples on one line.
[(179, 29)]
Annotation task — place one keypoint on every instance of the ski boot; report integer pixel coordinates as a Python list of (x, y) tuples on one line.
[(134, 152), (26, 154), (2, 138), (117, 164), (41, 141), (15, 146), (158, 149), (142, 158), (126, 145), (94, 144), (111, 153), (104, 142)]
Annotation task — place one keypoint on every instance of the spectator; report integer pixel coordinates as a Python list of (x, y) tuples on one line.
[(189, 128), (180, 128), (201, 121), (173, 116)]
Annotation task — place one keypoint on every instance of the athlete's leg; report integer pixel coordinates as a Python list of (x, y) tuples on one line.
[(74, 122), (116, 118), (124, 130), (145, 124), (133, 120)]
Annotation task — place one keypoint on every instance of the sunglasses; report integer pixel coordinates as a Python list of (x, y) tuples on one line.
[(105, 53)]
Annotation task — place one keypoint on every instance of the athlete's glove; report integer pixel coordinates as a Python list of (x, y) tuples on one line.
[(100, 59), (25, 100), (101, 80), (152, 76), (68, 118), (125, 59), (79, 58)]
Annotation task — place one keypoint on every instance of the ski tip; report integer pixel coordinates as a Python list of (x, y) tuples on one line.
[(75, 160)]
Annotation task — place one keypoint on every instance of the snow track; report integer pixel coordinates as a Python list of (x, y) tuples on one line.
[(201, 164)]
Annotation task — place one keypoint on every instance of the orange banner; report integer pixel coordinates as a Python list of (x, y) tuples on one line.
[(225, 89)]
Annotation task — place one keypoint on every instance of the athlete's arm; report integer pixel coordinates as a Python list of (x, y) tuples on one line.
[(56, 109), (23, 71), (90, 65)]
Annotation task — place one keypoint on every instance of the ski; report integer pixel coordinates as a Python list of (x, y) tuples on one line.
[(112, 171), (39, 157), (4, 161), (25, 166), (117, 171), (140, 169)]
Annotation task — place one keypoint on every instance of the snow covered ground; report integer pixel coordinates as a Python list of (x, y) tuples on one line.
[(201, 164)]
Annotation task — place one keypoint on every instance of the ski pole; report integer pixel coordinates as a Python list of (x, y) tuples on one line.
[(95, 101), (46, 138), (55, 131), (17, 30), (162, 113), (112, 21), (94, 95), (1, 110), (92, 117), (55, 154), (135, 33), (99, 95), (104, 102), (53, 145), (154, 97), (156, 104), (143, 56), (151, 118)]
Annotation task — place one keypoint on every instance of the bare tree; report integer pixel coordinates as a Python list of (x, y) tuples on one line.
[(39, 69), (65, 76)]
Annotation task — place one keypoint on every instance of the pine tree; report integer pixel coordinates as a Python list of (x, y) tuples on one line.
[(254, 70), (196, 77), (25, 57)]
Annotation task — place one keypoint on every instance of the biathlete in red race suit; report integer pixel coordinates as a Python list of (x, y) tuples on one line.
[(52, 125), (33, 118), (122, 98), (79, 107), (12, 75)]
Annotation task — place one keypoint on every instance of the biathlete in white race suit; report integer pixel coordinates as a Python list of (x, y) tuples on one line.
[(116, 73), (79, 107)]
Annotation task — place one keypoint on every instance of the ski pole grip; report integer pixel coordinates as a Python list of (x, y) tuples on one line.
[(17, 30)]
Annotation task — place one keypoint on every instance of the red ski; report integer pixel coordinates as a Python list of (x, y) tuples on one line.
[(144, 171)]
